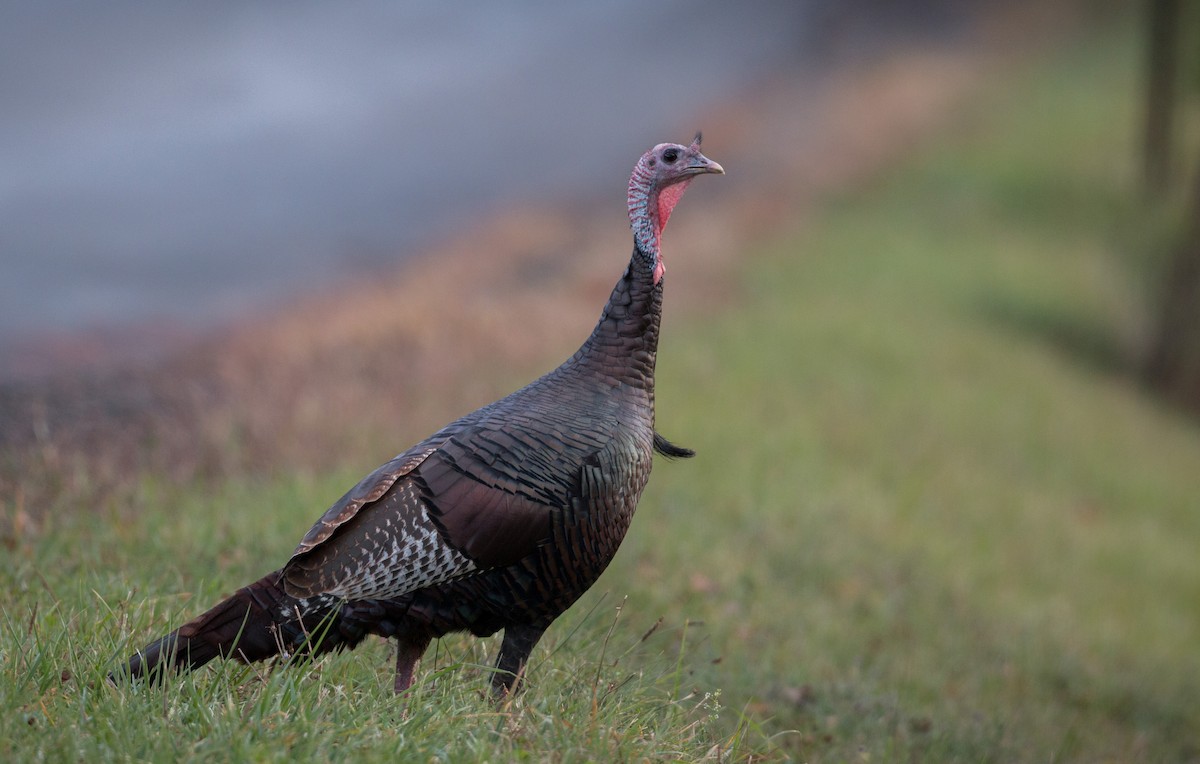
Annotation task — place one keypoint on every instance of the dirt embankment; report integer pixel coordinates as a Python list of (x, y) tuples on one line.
[(354, 375)]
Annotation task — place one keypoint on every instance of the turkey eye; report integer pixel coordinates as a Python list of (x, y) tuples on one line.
[(670, 155)]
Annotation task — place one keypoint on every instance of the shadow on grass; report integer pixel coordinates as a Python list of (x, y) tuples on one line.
[(1079, 337)]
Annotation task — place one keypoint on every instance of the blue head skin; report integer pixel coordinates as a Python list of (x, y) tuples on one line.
[(658, 181)]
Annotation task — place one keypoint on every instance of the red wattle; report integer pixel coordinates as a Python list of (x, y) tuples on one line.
[(667, 199)]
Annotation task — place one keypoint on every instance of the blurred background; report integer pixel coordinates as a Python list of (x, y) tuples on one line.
[(169, 167)]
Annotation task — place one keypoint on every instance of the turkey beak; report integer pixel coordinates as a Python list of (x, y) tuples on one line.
[(700, 165)]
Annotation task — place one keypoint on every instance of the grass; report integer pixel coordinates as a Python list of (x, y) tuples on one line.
[(933, 516), (597, 690)]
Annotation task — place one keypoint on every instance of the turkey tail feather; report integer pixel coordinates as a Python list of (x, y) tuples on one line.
[(257, 622)]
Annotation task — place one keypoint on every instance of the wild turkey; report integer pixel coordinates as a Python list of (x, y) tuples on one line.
[(500, 520)]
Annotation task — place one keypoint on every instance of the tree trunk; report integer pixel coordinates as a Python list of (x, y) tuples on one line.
[(1161, 67), (1174, 365)]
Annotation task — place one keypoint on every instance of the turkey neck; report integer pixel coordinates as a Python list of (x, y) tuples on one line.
[(623, 346)]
